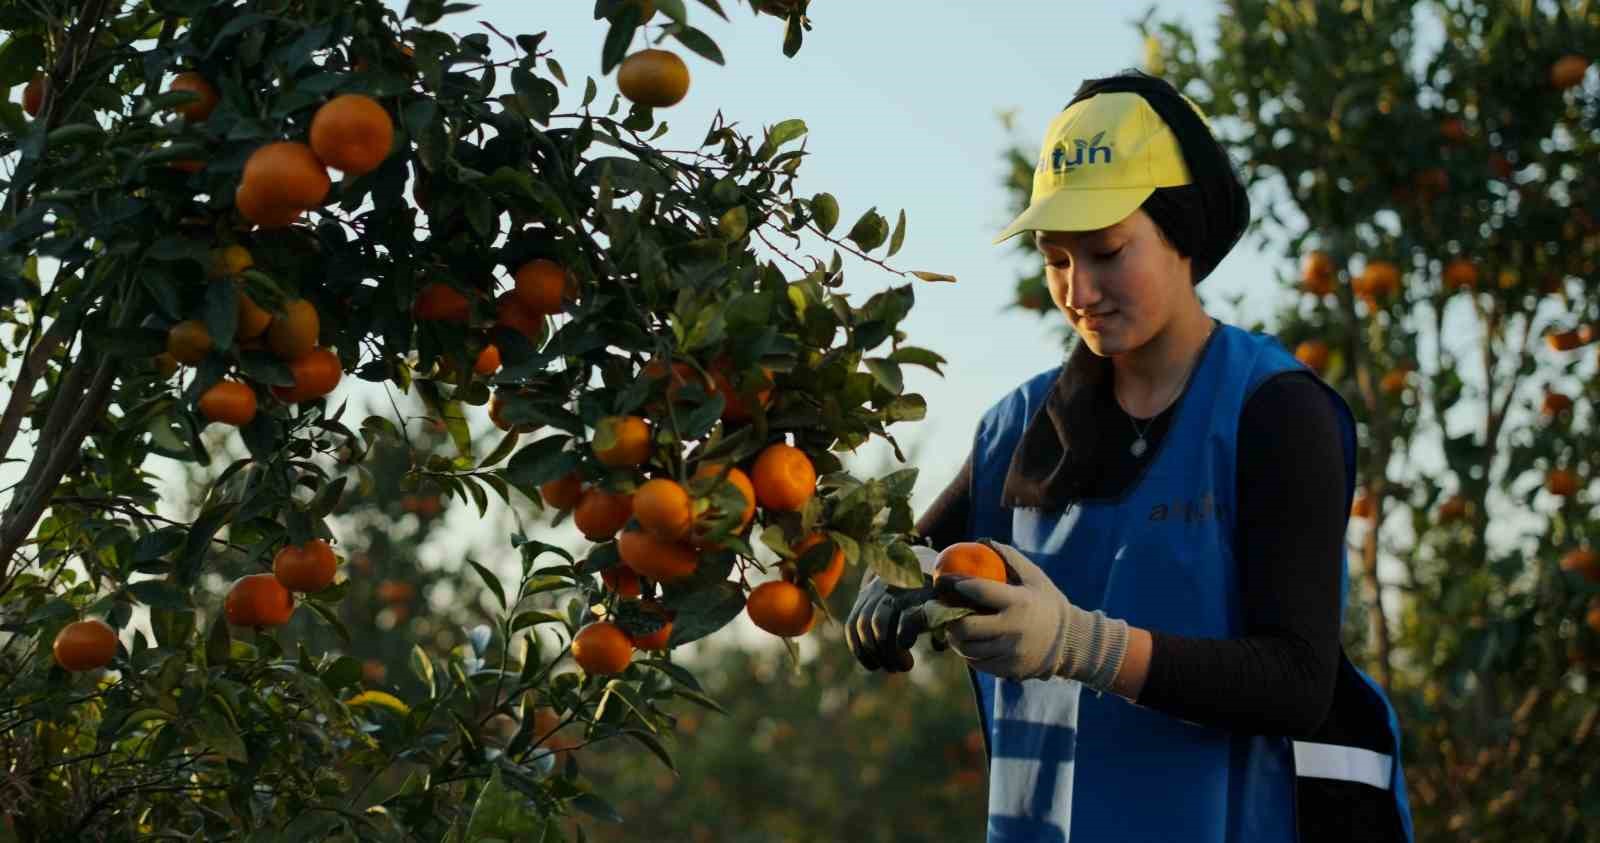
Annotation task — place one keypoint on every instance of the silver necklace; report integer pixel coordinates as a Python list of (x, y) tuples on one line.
[(1140, 446)]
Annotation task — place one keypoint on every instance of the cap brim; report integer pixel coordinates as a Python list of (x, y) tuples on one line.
[(1078, 210)]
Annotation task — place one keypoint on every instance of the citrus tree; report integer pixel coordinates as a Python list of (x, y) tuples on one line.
[(1427, 169), (659, 363)]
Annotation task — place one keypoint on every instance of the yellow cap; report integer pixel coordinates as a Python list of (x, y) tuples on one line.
[(1100, 160)]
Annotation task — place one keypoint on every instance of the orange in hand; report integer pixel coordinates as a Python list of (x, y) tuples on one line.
[(969, 559)]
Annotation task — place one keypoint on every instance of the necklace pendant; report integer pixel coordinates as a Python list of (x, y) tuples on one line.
[(1138, 447)]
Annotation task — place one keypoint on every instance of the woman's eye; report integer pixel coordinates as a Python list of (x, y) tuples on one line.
[(1105, 256)]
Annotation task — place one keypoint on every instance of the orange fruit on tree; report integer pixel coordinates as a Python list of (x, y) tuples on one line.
[(655, 640), (1394, 381), (1568, 71), (189, 341), (287, 174), (33, 95), (1317, 273), (1584, 561), (1377, 278), (195, 111), (544, 286), (308, 567), (438, 302), (1363, 506), (253, 318), (602, 648), (85, 645), (739, 479), (488, 361), (1562, 482), (1554, 404), (165, 364), (629, 441), (653, 78), (352, 133), (735, 408), (1453, 508), (511, 312), (316, 373), (781, 608), (1432, 180), (1313, 353), (1500, 166), (251, 201), (294, 334), (564, 491), (623, 580), (1563, 340), (229, 402), (600, 514), (228, 261), (1461, 274), (497, 414), (663, 508), (396, 591), (784, 478), (658, 559), (1592, 617), (825, 579), (677, 376), (258, 600), (1454, 129)]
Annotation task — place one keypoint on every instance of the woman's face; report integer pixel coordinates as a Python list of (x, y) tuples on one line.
[(1118, 286)]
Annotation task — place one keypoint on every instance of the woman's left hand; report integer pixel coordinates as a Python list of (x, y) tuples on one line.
[(1020, 630)]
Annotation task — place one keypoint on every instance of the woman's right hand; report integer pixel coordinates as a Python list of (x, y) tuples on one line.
[(884, 624)]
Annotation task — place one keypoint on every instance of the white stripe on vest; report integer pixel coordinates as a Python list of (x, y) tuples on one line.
[(1344, 763)]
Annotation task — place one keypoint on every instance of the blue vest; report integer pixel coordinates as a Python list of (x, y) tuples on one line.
[(1095, 768)]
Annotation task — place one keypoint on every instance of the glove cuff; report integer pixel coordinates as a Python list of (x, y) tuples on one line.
[(1091, 649)]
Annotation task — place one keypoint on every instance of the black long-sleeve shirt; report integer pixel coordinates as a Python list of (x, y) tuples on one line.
[(1279, 677)]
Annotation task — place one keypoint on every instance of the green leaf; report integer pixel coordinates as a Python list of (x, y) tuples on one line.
[(422, 667), (899, 237), (911, 407), (793, 35), (502, 449), (157, 544), (870, 230), (733, 223), (914, 356), (219, 643), (534, 617), (222, 312), (654, 746), (327, 498), (825, 210), (221, 736), (159, 594), (328, 615), (933, 276), (343, 672), (502, 813), (887, 373), (596, 807), (589, 92), (490, 580), (703, 611), (541, 462), (780, 134), (615, 47), (699, 42), (555, 70)]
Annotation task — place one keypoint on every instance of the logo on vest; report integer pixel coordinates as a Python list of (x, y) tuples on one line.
[(1190, 511), (1059, 161)]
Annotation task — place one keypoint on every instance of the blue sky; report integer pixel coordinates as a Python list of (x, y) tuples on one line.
[(902, 100)]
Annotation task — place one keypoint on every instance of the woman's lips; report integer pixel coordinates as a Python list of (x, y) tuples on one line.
[(1095, 323)]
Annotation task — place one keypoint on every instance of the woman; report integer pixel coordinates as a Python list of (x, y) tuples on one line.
[(1172, 502)]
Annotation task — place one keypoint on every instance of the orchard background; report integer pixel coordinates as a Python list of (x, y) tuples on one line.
[(430, 692)]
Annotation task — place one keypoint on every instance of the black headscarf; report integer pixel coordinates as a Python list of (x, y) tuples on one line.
[(1203, 220)]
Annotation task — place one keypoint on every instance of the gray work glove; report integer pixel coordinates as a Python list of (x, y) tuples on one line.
[(1031, 630), (886, 621)]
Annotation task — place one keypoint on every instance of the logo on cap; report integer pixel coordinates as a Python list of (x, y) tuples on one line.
[(1058, 162)]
